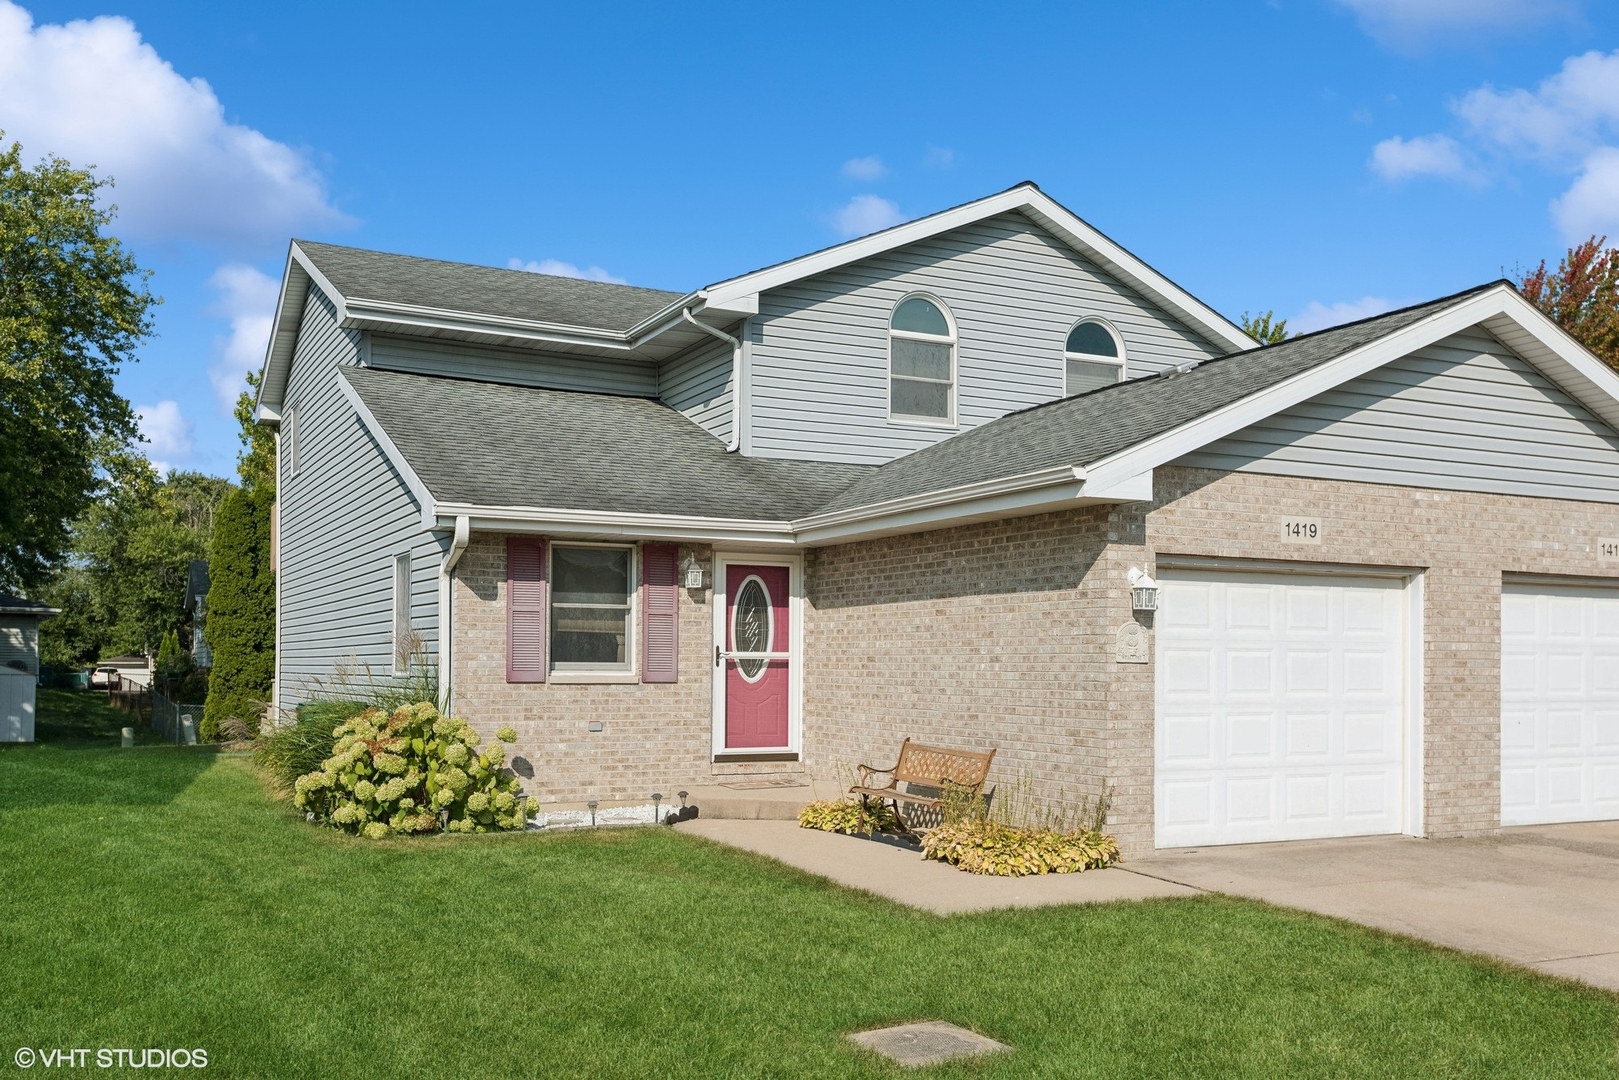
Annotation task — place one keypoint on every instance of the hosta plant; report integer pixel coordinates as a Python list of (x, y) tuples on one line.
[(856, 817), (984, 846), (414, 770)]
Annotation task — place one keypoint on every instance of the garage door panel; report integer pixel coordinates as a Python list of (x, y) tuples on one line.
[(1559, 704), (1298, 707)]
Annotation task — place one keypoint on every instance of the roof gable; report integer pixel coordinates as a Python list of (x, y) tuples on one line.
[(739, 296)]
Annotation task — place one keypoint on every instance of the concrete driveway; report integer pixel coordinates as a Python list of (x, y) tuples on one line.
[(1545, 897)]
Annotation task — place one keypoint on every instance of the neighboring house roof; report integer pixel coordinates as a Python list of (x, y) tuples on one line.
[(17, 605), (493, 445), (486, 290), (123, 661), (1090, 427)]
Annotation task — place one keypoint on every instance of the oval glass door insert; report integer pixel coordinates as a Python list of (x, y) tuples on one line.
[(752, 627)]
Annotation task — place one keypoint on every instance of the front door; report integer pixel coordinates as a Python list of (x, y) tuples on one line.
[(756, 655)]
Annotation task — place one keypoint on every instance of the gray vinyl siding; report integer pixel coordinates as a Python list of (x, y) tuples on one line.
[(344, 516), (698, 383), (818, 369), (19, 641), (1465, 414), (518, 367)]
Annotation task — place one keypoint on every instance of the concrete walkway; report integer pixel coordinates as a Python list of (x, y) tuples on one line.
[(901, 874), (1545, 897)]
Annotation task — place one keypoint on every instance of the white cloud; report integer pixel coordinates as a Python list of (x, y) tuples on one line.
[(167, 433), (939, 157), (558, 268), (247, 298), (865, 168), (1566, 116), (1425, 155), (1590, 207), (1319, 316), (93, 92), (866, 214), (1409, 24)]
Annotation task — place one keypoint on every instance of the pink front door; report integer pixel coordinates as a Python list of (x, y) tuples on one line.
[(758, 687)]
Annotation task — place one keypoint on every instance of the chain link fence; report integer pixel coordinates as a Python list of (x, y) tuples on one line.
[(176, 721)]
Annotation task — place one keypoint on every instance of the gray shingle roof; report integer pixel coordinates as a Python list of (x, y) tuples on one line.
[(484, 290), (1085, 429), (17, 605), (493, 445)]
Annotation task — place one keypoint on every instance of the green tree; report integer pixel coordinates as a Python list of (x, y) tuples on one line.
[(1581, 296), (1263, 330), (122, 589), (73, 308), (241, 610), (256, 461)]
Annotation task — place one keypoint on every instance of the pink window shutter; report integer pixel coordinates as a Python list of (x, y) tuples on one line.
[(525, 609), (660, 613)]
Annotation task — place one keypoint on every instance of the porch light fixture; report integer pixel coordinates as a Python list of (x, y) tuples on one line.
[(691, 573), (1143, 591)]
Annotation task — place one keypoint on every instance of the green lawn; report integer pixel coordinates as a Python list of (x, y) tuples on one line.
[(158, 898)]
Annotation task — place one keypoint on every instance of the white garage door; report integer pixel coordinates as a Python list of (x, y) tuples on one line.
[(1559, 704), (1281, 707)]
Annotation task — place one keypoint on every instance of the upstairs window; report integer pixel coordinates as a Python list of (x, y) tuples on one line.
[(1093, 355), (921, 362)]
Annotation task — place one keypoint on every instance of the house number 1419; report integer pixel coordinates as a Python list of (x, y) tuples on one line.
[(1301, 531)]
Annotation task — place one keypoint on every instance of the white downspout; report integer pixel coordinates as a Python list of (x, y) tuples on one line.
[(446, 632), (736, 376)]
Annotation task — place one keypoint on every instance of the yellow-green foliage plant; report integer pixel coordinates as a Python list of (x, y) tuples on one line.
[(1019, 838), (857, 817), (414, 770)]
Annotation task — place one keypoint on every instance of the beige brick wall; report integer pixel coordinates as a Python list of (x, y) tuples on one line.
[(1002, 634)]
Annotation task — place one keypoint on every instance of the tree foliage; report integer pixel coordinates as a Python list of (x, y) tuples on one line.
[(241, 610), (73, 307), (122, 589), (1265, 328), (1581, 296)]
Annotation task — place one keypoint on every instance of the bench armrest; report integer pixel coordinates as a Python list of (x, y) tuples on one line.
[(868, 771)]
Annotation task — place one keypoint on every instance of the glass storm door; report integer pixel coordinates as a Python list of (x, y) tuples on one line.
[(755, 655)]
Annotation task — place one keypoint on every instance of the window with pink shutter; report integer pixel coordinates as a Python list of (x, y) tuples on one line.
[(525, 610), (660, 613)]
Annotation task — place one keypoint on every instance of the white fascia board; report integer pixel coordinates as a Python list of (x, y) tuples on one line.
[(607, 523), (424, 497), (1526, 329), (264, 414), (1579, 367), (740, 293), (1012, 496)]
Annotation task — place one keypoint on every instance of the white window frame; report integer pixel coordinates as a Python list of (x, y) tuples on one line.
[(401, 612), (795, 653), (954, 341), (1121, 361), (630, 672)]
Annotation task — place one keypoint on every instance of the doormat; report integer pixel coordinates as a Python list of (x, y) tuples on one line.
[(927, 1044), (755, 785)]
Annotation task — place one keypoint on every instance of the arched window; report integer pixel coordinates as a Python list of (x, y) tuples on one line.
[(1094, 356), (922, 362)]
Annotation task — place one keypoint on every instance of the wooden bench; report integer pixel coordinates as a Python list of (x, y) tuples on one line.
[(923, 771)]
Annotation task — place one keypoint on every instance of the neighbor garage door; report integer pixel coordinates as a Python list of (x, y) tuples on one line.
[(1281, 707), (1559, 704)]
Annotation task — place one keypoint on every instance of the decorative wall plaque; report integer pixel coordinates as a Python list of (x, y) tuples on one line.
[(1131, 644)]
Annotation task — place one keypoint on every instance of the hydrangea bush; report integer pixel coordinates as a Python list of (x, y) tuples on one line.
[(414, 771)]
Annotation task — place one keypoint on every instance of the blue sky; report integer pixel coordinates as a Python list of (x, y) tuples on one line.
[(1324, 158)]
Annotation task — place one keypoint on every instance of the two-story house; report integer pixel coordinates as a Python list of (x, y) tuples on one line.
[(983, 479)]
